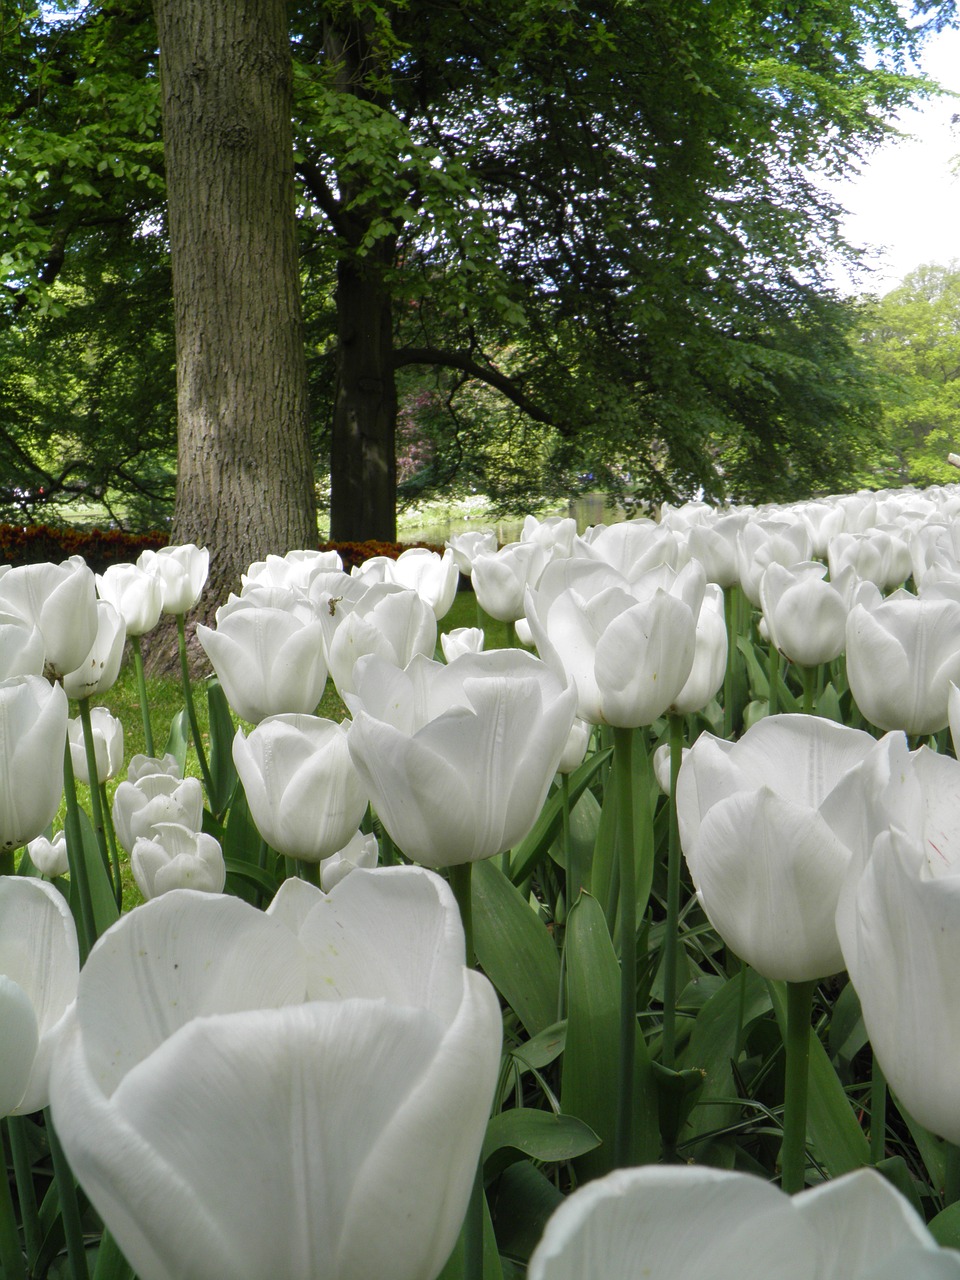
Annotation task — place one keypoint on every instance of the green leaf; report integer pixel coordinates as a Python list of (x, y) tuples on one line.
[(454, 1266), (544, 1048), (111, 1264), (223, 771), (514, 948), (541, 1135), (589, 1084), (178, 738), (529, 851), (945, 1227), (522, 1201)]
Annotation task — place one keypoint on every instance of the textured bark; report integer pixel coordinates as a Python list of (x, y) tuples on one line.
[(244, 465)]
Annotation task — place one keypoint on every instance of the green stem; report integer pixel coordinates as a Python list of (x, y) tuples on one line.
[(773, 675), (69, 1206), (473, 1231), (112, 844), (11, 1255), (8, 863), (511, 635), (309, 871), (142, 691), (951, 1179), (571, 856), (87, 933), (192, 711), (809, 676), (26, 1195), (460, 883), (671, 931), (878, 1113), (96, 808), (793, 1157), (623, 781)]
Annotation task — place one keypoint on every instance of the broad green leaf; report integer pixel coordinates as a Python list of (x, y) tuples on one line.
[(454, 1266), (544, 1048), (514, 948), (178, 738), (541, 1135), (589, 1085), (945, 1227), (111, 1264), (521, 1200), (223, 772)]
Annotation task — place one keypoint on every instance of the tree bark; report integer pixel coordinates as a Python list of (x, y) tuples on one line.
[(245, 483)]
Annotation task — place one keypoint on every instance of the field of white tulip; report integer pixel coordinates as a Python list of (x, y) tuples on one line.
[(628, 949)]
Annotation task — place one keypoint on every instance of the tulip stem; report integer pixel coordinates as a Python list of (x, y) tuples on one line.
[(8, 863), (460, 883), (671, 929), (69, 1207), (809, 676), (570, 854), (26, 1195), (309, 871), (192, 711), (878, 1113), (90, 751), (773, 677), (473, 1230), (142, 692), (730, 618), (623, 782), (11, 1255), (112, 842), (793, 1156), (951, 1174), (87, 933)]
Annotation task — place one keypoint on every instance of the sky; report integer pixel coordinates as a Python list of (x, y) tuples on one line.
[(907, 200)]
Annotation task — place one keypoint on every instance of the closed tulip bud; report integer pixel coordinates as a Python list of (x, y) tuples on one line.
[(762, 543), (141, 766), (39, 968), (388, 620), (360, 851), (467, 546), (758, 827), (434, 578), (61, 601), (136, 595), (33, 734), (182, 571), (806, 616), (268, 661), (305, 795), (501, 577), (50, 856), (177, 858), (343, 1037), (709, 656), (107, 741), (461, 640), (98, 671), (458, 759), (139, 807)]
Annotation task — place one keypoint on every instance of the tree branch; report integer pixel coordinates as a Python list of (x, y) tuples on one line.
[(463, 361)]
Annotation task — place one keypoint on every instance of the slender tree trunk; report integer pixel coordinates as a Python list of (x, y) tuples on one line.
[(244, 466)]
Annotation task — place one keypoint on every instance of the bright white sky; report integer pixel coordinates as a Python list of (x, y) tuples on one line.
[(907, 199)]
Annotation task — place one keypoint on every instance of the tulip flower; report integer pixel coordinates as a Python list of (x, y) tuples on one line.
[(434, 578), (806, 616), (98, 671), (876, 556), (142, 766), (555, 533), (33, 733), (177, 858), (345, 1043), (757, 828), (633, 547), (61, 601), (898, 920), (501, 577), (709, 656), (714, 544), (628, 647), (39, 967), (901, 657), (268, 661), (467, 546), (297, 569), (107, 741), (182, 572), (305, 795), (458, 759), (461, 640), (764, 542), (139, 807), (136, 595), (50, 856), (387, 619), (360, 851), (688, 1221)]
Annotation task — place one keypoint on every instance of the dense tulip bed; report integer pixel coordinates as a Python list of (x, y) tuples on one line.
[(628, 949)]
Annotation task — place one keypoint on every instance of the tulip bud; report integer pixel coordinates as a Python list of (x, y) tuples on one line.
[(182, 572), (33, 732), (176, 858)]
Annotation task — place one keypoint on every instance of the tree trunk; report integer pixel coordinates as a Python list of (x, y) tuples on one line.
[(245, 482), (363, 468)]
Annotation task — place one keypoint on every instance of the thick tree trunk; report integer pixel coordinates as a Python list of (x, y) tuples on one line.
[(363, 469), (245, 471)]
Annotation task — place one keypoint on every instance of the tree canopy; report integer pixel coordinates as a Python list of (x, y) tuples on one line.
[(545, 247)]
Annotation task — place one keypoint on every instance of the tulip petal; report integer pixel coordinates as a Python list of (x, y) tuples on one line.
[(18, 1044), (666, 1222)]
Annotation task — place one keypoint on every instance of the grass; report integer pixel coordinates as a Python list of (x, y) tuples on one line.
[(166, 702)]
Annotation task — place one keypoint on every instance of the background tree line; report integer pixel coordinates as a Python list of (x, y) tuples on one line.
[(543, 248)]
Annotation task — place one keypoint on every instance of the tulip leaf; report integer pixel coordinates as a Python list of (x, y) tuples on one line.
[(178, 738), (838, 1142), (533, 847), (541, 1135), (111, 1264), (223, 772), (828, 705), (932, 1149), (604, 875), (542, 1049), (250, 873), (584, 824), (590, 1059), (522, 1200), (105, 911), (454, 1268), (514, 948), (945, 1227)]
